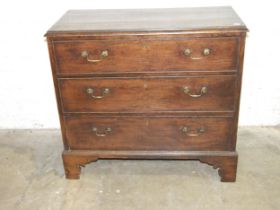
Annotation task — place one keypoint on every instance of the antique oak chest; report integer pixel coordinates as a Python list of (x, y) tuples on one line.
[(148, 84)]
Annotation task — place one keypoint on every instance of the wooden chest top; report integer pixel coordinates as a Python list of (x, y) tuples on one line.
[(148, 20)]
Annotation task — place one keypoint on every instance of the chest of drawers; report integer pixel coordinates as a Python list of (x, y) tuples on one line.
[(148, 84)]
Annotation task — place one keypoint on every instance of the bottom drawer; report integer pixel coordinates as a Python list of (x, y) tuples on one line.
[(148, 133)]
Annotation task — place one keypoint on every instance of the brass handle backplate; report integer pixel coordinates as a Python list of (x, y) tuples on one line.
[(188, 52), (199, 131), (187, 91), (104, 54), (206, 51), (102, 134), (104, 92)]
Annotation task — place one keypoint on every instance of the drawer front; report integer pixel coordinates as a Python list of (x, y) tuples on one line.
[(203, 93), (153, 133), (84, 57)]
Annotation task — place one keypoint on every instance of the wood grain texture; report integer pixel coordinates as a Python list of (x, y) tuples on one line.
[(169, 19), (146, 55), (55, 82), (225, 162), (130, 36), (148, 133), (148, 95)]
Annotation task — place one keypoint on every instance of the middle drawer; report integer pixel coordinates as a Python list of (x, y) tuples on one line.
[(200, 93)]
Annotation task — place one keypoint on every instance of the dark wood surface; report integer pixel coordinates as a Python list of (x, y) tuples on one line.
[(148, 95), (225, 161), (145, 70), (146, 55), (172, 19), (148, 133)]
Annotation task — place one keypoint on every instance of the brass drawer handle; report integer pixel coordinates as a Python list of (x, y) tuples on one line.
[(205, 52), (104, 133), (104, 54), (187, 90), (104, 92), (199, 131)]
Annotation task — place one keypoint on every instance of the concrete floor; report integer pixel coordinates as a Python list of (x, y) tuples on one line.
[(32, 178)]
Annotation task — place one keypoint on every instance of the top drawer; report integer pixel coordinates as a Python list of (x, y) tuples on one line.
[(123, 56)]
